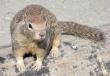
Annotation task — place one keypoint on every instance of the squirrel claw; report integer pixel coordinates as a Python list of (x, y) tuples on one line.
[(21, 67), (37, 66), (55, 53)]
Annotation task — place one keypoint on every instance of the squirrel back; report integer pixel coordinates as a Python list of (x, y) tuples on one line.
[(83, 31)]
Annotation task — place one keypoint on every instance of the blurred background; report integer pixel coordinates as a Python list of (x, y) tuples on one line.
[(87, 12)]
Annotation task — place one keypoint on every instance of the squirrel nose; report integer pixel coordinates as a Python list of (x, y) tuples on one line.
[(42, 34)]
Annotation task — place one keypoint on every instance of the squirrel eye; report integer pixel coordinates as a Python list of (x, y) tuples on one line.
[(30, 26)]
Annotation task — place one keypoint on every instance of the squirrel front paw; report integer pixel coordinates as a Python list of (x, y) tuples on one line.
[(37, 65), (21, 67), (55, 52)]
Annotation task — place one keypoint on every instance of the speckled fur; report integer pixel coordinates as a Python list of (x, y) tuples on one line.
[(83, 31)]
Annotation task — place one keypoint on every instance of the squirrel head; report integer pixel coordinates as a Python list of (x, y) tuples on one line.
[(34, 27)]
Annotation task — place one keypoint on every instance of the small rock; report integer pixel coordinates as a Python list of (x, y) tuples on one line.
[(2, 60), (74, 47)]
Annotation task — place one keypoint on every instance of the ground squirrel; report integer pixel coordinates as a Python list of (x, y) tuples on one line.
[(36, 30)]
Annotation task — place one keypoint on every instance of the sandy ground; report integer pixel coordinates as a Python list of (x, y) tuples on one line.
[(78, 56)]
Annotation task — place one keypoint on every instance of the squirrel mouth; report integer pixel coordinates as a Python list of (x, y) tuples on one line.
[(40, 40)]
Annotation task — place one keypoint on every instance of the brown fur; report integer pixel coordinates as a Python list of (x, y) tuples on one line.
[(25, 41)]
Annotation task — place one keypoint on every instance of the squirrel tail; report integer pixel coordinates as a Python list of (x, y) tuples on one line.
[(82, 31)]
